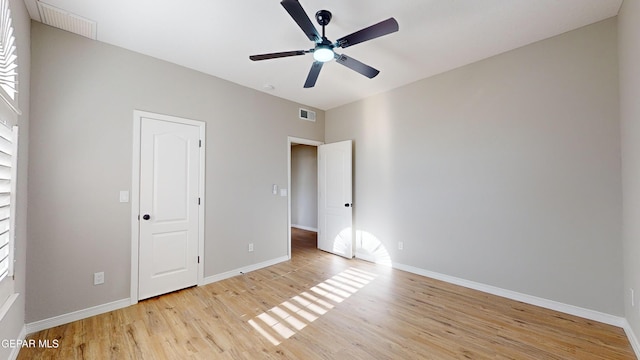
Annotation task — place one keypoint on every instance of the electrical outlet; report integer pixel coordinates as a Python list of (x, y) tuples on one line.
[(98, 278), (250, 247), (400, 245)]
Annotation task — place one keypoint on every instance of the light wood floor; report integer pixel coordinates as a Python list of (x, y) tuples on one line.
[(320, 306)]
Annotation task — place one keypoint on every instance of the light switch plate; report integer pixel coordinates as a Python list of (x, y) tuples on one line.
[(124, 196), (283, 192), (98, 278)]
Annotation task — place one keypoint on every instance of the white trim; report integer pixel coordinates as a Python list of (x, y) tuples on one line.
[(32, 8), (302, 227), (513, 295), (75, 316), (4, 309), (203, 202), (244, 270), (632, 338), (14, 201), (135, 207), (16, 350), (135, 194), (294, 140)]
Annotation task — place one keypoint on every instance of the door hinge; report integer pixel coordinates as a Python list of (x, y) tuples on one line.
[(199, 143), (198, 259), (198, 201), (138, 217)]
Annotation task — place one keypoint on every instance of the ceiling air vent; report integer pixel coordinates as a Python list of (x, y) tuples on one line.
[(308, 115), (64, 20)]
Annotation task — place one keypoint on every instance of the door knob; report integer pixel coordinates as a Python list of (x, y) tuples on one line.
[(347, 205), (146, 216)]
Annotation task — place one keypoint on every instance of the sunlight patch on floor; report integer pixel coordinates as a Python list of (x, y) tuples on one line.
[(285, 320), (370, 248)]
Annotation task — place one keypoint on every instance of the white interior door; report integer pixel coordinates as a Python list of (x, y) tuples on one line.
[(169, 188), (335, 228)]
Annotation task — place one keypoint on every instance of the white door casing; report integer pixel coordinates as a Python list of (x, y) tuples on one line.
[(169, 215), (335, 186), (290, 141)]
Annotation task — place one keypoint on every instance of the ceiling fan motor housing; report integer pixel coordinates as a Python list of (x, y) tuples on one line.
[(323, 17)]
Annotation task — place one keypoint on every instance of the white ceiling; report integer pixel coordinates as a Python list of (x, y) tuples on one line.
[(216, 37)]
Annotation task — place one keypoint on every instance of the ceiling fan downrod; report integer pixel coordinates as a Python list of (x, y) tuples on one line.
[(323, 17)]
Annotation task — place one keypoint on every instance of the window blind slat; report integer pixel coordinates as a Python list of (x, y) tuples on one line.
[(4, 262), (5, 212), (5, 225), (5, 173), (5, 200), (5, 185), (4, 239), (6, 146), (6, 133), (5, 159)]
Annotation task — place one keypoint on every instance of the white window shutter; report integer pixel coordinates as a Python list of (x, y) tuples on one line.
[(8, 56), (8, 148)]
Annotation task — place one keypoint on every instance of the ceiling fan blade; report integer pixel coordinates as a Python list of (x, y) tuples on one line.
[(298, 14), (313, 74), (277, 55), (374, 31), (357, 66)]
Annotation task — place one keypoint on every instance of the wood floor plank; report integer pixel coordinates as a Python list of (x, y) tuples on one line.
[(320, 306)]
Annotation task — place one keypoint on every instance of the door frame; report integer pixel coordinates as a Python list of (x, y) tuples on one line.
[(135, 193), (294, 140)]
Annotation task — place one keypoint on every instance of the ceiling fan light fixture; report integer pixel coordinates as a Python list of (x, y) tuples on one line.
[(323, 53)]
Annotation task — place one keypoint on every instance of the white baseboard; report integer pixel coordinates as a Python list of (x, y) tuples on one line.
[(513, 295), (16, 350), (76, 315), (245, 269), (632, 338), (101, 309), (302, 227)]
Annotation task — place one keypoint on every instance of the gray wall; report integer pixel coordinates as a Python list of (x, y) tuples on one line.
[(13, 322), (83, 96), (629, 44), (304, 186), (504, 172)]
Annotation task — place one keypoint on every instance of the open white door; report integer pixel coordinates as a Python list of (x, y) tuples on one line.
[(169, 196), (335, 228)]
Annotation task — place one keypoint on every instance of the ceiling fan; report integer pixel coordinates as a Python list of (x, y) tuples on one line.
[(323, 50)]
